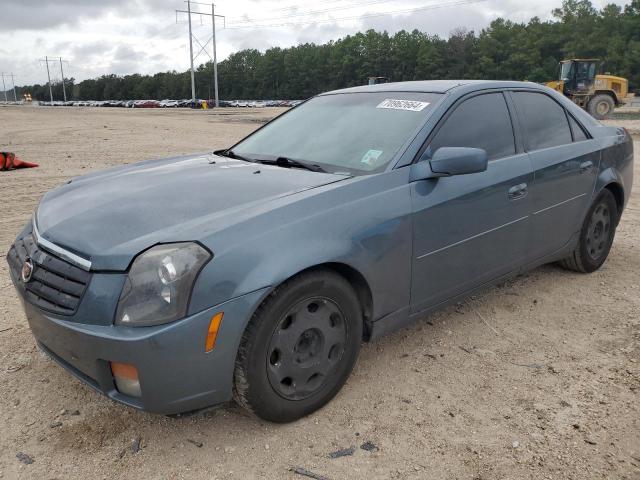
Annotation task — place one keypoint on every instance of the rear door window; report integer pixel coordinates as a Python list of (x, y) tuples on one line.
[(543, 120), (479, 122)]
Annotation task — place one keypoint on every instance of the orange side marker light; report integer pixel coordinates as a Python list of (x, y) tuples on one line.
[(212, 333)]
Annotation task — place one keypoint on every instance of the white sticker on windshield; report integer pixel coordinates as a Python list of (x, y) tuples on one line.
[(370, 158), (410, 105)]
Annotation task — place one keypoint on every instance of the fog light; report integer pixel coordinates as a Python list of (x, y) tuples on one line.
[(126, 378)]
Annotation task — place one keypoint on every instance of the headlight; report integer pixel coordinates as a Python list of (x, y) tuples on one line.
[(159, 284)]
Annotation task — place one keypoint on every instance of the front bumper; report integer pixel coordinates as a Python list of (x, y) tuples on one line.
[(176, 374)]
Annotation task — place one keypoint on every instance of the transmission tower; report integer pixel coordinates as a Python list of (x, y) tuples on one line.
[(13, 82), (4, 88), (203, 48), (46, 60)]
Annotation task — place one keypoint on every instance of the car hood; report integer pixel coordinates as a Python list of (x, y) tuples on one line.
[(109, 217)]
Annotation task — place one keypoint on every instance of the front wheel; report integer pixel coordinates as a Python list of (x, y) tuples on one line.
[(596, 236), (601, 106), (299, 347)]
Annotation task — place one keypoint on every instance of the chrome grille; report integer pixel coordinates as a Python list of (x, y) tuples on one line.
[(55, 285)]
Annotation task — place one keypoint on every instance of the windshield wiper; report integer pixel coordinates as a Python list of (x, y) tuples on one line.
[(291, 163), (232, 154)]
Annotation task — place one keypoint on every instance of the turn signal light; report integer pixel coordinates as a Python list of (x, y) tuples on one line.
[(212, 333)]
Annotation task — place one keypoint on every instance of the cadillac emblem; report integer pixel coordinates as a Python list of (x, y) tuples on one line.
[(27, 270)]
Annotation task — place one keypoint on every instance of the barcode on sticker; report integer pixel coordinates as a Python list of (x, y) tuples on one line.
[(410, 105)]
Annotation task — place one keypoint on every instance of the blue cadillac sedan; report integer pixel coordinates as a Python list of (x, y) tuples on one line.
[(255, 273)]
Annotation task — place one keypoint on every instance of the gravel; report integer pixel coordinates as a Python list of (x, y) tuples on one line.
[(577, 322)]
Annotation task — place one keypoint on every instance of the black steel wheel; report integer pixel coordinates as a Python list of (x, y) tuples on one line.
[(599, 231), (596, 237), (299, 347), (305, 348)]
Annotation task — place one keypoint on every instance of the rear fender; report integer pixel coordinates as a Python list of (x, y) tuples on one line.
[(616, 166)]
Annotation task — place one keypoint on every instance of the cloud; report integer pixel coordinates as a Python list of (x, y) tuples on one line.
[(37, 15), (100, 37)]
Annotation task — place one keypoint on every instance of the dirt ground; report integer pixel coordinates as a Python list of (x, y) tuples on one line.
[(538, 378)]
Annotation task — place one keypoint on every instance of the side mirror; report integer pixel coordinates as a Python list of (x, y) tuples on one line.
[(450, 161)]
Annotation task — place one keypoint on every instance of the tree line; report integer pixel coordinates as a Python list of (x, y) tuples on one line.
[(505, 50)]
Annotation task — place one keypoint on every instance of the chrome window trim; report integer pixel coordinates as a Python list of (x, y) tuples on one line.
[(72, 258)]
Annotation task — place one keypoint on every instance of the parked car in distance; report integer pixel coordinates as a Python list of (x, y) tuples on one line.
[(254, 273), (146, 104), (169, 103)]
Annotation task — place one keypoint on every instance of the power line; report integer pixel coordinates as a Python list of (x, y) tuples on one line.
[(244, 19), (358, 17), (294, 6)]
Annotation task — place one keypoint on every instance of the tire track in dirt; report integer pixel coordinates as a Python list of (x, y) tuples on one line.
[(546, 386)]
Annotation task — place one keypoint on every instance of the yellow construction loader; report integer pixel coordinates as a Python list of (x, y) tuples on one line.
[(597, 94)]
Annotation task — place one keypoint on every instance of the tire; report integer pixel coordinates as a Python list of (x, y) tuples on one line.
[(299, 348), (601, 106), (596, 236)]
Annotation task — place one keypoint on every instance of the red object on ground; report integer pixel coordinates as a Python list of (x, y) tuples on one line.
[(8, 161)]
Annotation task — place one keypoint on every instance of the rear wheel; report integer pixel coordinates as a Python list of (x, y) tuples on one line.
[(596, 236), (601, 106), (299, 347)]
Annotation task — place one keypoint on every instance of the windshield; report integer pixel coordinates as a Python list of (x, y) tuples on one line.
[(356, 133), (567, 71)]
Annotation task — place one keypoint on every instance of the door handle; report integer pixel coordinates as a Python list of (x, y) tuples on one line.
[(518, 192), (586, 166)]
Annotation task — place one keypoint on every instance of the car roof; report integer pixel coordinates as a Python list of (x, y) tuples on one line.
[(434, 86)]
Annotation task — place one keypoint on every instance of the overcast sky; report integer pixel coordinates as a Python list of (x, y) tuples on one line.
[(97, 37)]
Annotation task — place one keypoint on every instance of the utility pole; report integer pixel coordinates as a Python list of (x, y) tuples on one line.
[(4, 89), (193, 75), (64, 91), (46, 60), (203, 48), (215, 56), (15, 97)]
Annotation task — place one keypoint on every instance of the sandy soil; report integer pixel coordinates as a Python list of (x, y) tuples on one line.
[(538, 378)]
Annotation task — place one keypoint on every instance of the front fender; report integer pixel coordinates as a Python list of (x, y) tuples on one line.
[(364, 224)]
